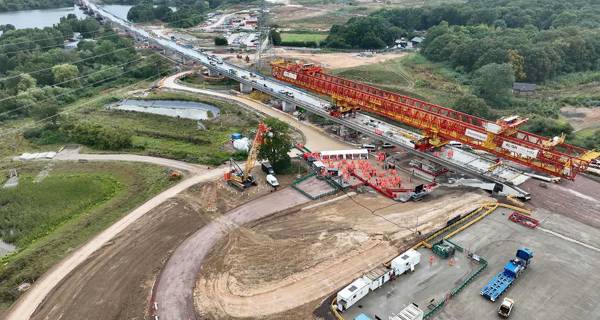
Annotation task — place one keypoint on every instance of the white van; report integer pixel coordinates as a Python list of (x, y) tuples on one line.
[(369, 147)]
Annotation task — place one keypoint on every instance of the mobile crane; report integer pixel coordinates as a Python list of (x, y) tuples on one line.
[(242, 179)]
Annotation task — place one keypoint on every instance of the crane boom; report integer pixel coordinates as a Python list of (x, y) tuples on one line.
[(439, 124), (259, 138)]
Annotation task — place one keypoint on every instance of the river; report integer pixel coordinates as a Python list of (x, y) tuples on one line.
[(48, 17)]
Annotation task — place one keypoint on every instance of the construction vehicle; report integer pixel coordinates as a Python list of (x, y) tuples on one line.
[(503, 280), (241, 178), (439, 125), (506, 307)]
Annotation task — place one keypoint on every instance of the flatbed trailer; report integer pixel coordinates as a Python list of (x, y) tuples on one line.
[(503, 280)]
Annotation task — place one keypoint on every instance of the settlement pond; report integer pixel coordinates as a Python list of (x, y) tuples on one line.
[(170, 108)]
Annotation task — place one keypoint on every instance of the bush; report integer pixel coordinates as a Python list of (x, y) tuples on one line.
[(98, 136), (221, 41)]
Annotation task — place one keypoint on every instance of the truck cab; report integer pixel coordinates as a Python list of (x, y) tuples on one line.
[(505, 308)]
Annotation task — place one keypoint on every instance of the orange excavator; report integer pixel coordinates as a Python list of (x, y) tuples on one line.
[(242, 179)]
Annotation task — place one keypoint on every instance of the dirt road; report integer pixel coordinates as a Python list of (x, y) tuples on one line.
[(316, 139), (73, 154), (174, 289), (27, 303)]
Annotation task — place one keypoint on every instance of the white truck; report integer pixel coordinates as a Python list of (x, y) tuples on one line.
[(406, 261)]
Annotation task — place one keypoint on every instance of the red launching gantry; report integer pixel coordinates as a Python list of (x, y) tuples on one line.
[(440, 125)]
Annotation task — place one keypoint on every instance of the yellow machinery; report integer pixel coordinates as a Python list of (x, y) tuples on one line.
[(242, 179)]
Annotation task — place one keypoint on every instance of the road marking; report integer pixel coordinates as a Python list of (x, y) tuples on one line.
[(556, 234)]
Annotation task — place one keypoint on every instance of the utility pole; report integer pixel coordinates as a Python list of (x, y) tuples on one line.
[(263, 30)]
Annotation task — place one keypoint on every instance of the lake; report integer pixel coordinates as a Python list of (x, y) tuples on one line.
[(170, 108), (48, 17)]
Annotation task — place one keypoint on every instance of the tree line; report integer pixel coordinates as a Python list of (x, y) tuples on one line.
[(15, 5), (186, 16)]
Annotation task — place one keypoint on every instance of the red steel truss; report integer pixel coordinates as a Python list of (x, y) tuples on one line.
[(501, 138)]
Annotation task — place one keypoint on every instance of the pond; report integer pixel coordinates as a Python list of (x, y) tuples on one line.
[(170, 108), (48, 17), (6, 248)]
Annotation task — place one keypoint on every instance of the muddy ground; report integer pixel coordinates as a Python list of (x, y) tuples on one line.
[(283, 266), (335, 60), (116, 282)]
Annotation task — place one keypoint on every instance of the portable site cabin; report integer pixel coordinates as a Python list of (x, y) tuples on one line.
[(352, 293), (406, 261), (378, 276)]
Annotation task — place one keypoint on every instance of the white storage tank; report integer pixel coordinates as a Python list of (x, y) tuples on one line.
[(406, 261), (352, 293)]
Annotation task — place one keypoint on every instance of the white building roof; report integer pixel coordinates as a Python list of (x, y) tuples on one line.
[(352, 289), (406, 256)]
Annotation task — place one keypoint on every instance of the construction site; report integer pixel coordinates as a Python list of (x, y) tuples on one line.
[(396, 209)]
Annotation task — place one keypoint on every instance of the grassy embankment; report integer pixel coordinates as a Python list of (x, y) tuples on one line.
[(181, 138), (411, 75), (198, 82), (49, 219)]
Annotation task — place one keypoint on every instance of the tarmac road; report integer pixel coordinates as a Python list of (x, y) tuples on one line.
[(175, 286)]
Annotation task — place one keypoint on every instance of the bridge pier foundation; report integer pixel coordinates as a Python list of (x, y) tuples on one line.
[(288, 106), (245, 88), (212, 73)]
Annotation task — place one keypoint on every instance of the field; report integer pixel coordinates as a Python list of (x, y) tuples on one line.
[(320, 15), (47, 220), (411, 75), (302, 37)]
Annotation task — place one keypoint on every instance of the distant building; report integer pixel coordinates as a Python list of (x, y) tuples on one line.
[(402, 43), (416, 41), (522, 88)]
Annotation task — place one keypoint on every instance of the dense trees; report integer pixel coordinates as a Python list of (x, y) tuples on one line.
[(14, 5), (538, 38), (277, 145), (221, 41), (187, 15), (39, 77), (493, 82)]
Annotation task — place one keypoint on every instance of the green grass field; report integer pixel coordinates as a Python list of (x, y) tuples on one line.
[(49, 219), (303, 37)]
